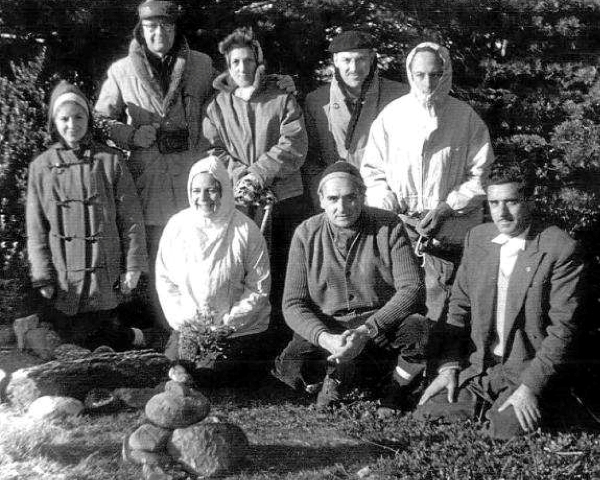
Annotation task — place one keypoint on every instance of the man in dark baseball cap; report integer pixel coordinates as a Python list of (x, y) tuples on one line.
[(339, 115)]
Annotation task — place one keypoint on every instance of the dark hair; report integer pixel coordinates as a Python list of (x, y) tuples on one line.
[(525, 185), (240, 38)]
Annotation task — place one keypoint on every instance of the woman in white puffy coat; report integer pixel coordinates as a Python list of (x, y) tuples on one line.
[(213, 279)]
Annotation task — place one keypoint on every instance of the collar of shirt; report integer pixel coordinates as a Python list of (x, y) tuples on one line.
[(516, 243)]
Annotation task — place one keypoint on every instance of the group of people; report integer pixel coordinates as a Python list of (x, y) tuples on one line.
[(218, 197)]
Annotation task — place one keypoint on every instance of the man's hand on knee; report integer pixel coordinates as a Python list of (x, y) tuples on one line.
[(525, 404), (447, 379)]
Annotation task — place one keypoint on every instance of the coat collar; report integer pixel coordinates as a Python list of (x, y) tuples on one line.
[(224, 83), (145, 73)]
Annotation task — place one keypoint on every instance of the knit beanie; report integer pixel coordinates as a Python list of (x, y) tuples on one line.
[(341, 170), (62, 93), (352, 40), (159, 8)]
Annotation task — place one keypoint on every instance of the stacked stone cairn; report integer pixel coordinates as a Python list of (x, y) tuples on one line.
[(180, 430)]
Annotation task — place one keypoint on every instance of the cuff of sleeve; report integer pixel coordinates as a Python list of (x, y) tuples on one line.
[(314, 336), (380, 338), (256, 176), (448, 366), (42, 283), (536, 387), (456, 201)]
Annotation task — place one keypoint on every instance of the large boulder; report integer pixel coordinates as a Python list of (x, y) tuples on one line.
[(207, 449), (75, 378), (53, 408), (174, 411)]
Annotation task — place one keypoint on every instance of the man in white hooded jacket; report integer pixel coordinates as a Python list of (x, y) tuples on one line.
[(427, 159), (213, 277)]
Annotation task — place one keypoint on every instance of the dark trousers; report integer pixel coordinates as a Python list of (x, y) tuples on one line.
[(287, 215), (240, 362), (143, 309), (301, 363), (439, 268), (92, 329), (480, 398)]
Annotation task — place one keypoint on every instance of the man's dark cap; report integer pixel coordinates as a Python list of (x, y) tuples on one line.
[(352, 40), (339, 169), (159, 8)]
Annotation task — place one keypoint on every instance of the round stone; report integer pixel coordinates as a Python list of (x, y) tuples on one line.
[(149, 437), (42, 342), (142, 457), (173, 411), (181, 389), (207, 449), (53, 407)]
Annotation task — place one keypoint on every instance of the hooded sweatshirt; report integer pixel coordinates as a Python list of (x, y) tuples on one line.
[(84, 219), (216, 262), (259, 131), (424, 149)]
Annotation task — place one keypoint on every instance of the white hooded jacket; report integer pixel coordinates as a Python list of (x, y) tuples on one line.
[(426, 149), (216, 262)]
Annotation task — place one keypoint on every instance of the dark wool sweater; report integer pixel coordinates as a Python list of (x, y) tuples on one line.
[(379, 281)]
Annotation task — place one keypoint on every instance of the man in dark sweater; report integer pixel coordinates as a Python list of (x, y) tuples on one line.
[(353, 297)]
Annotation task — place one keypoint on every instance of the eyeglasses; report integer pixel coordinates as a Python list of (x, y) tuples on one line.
[(432, 75), (167, 27)]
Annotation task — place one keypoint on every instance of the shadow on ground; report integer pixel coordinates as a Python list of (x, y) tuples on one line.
[(282, 459)]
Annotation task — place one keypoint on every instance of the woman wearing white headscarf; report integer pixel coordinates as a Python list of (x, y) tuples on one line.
[(212, 275)]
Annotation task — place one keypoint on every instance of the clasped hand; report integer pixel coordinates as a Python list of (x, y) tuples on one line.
[(345, 346)]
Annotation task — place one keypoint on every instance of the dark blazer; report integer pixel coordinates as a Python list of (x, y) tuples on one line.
[(542, 305)]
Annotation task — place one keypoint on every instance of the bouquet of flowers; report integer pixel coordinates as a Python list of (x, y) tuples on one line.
[(201, 340), (248, 193)]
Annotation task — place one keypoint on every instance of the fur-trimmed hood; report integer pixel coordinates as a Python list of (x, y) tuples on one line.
[(138, 55), (224, 83)]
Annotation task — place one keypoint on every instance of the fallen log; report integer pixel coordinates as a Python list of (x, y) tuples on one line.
[(75, 378)]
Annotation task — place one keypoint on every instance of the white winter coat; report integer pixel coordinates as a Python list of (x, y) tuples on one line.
[(217, 262), (427, 149)]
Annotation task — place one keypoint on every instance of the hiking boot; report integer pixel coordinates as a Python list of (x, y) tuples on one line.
[(330, 394), (392, 396)]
